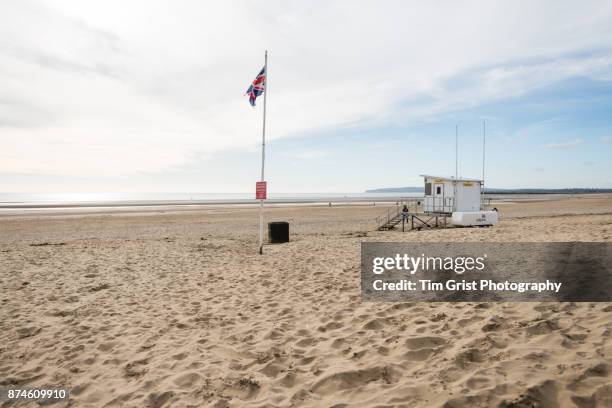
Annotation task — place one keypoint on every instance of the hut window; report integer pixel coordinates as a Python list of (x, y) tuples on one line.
[(438, 190), (427, 189)]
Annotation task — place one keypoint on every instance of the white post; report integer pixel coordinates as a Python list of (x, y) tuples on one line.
[(263, 156)]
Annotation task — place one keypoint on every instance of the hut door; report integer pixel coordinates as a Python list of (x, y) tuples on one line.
[(438, 194)]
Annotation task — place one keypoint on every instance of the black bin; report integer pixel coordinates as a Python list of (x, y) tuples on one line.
[(278, 232)]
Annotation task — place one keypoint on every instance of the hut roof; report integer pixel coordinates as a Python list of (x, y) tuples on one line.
[(451, 178)]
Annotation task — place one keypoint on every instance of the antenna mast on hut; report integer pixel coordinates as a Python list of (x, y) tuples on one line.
[(484, 141), (456, 166)]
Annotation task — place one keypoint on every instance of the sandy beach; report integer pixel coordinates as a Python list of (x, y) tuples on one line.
[(177, 309)]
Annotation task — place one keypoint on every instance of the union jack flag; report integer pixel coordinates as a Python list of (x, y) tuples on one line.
[(257, 87)]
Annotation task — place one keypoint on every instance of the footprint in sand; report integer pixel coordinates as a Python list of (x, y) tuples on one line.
[(272, 370), (136, 368), (354, 379), (106, 347), (187, 380), (467, 357), (179, 356), (158, 400), (288, 380), (375, 324), (478, 382), (30, 331), (416, 343), (542, 327), (544, 394)]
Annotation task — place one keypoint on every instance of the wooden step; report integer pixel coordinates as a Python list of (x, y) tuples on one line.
[(392, 222)]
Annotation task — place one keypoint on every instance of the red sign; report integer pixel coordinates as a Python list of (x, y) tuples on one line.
[(261, 188)]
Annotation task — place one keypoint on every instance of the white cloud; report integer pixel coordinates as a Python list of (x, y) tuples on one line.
[(308, 154), (562, 145), (120, 88), (606, 139)]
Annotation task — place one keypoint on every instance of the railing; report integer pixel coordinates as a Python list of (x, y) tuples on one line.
[(414, 205), (417, 205), (439, 204), (387, 216), (446, 204), (485, 203)]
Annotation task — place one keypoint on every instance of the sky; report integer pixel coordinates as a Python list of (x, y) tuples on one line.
[(148, 96)]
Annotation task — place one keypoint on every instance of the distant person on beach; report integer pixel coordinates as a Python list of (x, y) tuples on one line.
[(405, 211)]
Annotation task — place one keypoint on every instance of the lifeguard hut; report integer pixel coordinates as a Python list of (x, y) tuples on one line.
[(446, 201), (461, 198), (446, 195), (457, 198)]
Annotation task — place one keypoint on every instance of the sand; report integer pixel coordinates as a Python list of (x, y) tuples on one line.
[(178, 309)]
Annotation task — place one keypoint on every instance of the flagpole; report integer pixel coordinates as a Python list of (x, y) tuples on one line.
[(263, 155)]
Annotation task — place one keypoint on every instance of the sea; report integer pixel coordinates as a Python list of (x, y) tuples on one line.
[(7, 199)]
